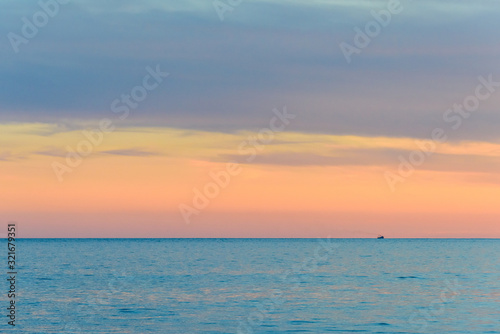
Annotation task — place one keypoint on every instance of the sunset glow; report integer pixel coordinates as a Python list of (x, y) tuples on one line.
[(335, 130)]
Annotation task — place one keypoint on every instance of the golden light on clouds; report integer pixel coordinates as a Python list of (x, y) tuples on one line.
[(153, 170)]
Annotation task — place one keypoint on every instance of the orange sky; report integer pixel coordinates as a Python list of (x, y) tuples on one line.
[(119, 132), (134, 181)]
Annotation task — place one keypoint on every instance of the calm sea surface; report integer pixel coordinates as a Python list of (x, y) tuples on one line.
[(255, 286)]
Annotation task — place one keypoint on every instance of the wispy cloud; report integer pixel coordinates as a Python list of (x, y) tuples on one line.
[(4, 156), (131, 152), (52, 152), (376, 157), (8, 156)]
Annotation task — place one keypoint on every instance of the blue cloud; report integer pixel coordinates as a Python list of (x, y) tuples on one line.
[(228, 75)]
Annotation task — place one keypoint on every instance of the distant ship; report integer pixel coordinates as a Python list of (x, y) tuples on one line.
[(380, 237)]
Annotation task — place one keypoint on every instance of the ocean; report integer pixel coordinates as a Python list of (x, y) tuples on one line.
[(254, 286)]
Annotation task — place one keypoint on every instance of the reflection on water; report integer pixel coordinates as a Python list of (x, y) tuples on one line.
[(259, 286)]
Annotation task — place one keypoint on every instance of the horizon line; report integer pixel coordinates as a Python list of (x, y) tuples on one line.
[(270, 238)]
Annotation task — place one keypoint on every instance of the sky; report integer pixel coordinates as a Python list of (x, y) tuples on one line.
[(250, 118)]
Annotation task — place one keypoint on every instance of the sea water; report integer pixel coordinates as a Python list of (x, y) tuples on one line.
[(254, 286)]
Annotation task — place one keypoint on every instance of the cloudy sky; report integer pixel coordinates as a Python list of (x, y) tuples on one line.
[(336, 165)]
